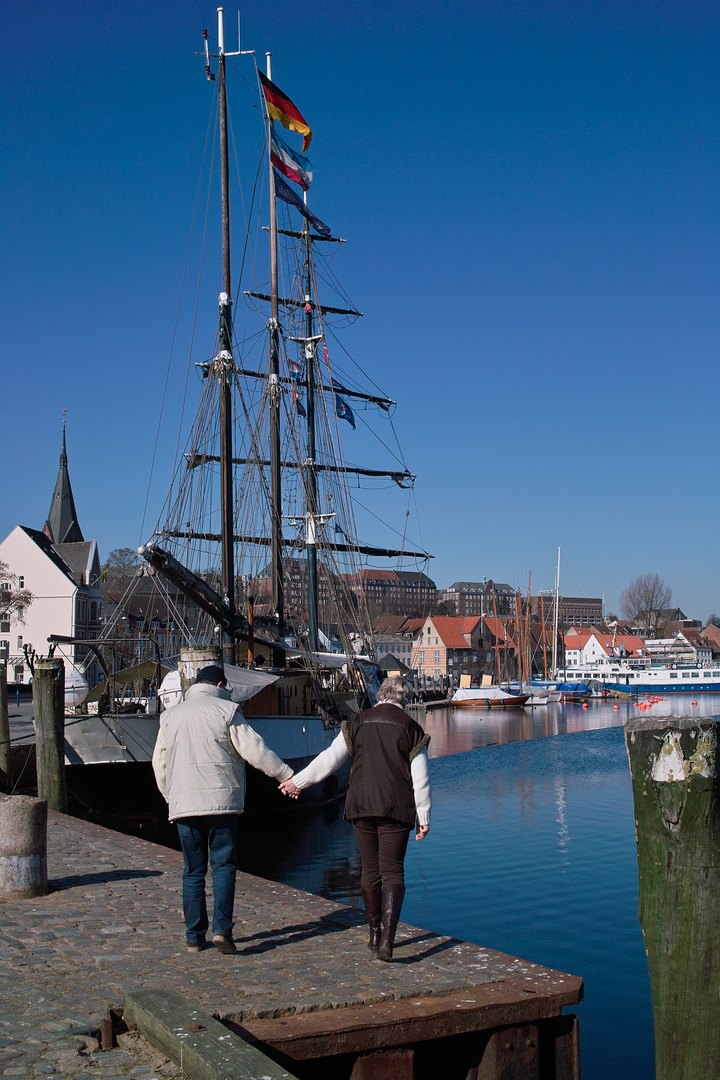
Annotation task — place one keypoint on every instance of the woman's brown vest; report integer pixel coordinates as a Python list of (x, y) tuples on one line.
[(382, 742)]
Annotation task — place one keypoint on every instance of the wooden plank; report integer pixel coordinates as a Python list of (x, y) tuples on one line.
[(385, 1065), (402, 1023), (560, 1048), (203, 1047), (511, 1054)]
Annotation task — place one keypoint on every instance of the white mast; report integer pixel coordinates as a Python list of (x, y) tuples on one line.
[(556, 617)]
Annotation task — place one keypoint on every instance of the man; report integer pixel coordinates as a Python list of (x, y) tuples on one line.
[(199, 763)]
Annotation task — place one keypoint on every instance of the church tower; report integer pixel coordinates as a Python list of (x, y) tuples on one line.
[(62, 526)]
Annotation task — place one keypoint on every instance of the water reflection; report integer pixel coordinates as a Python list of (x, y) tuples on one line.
[(453, 731)]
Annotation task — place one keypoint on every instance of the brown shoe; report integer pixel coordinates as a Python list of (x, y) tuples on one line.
[(224, 943)]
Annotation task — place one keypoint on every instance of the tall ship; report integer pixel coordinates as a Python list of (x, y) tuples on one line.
[(258, 553)]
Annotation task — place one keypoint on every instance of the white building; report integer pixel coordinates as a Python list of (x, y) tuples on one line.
[(587, 651), (62, 571)]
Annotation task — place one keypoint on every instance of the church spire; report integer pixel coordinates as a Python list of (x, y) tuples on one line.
[(61, 526)]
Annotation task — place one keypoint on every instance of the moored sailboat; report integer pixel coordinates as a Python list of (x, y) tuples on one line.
[(260, 530)]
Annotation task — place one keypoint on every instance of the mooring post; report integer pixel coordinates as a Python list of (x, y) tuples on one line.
[(49, 720), (4, 727), (23, 847), (674, 770)]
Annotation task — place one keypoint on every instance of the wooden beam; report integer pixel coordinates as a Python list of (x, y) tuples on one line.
[(303, 1036), (203, 1047)]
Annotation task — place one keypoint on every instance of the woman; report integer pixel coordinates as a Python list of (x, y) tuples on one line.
[(389, 787)]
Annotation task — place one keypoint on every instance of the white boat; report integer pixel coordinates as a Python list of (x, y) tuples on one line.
[(647, 679), (487, 697)]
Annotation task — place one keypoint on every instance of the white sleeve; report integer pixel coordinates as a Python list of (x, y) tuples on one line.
[(159, 763), (255, 750), (324, 764), (421, 786)]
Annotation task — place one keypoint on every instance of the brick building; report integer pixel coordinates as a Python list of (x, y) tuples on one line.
[(401, 592)]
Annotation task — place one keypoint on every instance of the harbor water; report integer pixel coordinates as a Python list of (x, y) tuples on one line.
[(531, 851)]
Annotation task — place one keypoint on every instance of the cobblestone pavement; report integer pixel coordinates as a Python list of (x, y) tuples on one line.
[(112, 922)]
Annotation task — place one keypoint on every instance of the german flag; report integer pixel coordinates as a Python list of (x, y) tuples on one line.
[(280, 107)]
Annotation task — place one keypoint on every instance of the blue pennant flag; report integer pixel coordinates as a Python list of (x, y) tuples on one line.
[(343, 410), (286, 193)]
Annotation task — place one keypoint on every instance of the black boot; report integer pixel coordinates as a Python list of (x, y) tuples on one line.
[(372, 899), (392, 900)]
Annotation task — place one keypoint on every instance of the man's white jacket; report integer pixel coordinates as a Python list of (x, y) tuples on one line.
[(200, 754)]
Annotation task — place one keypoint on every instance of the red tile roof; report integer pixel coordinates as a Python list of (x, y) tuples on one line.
[(452, 628), (578, 640)]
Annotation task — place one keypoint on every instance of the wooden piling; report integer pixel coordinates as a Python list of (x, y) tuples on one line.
[(49, 720), (23, 847), (4, 728), (674, 767)]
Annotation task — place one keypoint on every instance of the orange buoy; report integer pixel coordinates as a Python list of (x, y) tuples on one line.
[(694, 702), (615, 708), (584, 704)]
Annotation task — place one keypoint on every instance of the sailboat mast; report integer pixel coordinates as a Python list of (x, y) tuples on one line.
[(224, 365), (556, 617), (278, 587), (310, 471)]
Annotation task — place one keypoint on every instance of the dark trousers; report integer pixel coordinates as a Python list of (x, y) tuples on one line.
[(383, 843), (212, 834)]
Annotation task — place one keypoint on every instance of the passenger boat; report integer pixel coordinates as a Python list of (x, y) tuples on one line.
[(635, 679)]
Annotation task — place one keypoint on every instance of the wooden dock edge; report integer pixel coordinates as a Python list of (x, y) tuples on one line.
[(203, 1047)]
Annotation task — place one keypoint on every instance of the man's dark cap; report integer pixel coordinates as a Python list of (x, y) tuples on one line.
[(213, 674)]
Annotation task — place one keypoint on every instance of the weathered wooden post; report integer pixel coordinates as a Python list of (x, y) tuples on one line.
[(23, 846), (4, 726), (675, 781), (49, 720)]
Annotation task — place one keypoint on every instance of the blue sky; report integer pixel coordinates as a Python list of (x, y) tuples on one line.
[(530, 195)]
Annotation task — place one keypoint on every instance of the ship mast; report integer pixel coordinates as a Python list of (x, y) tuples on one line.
[(278, 586), (224, 367), (556, 616)]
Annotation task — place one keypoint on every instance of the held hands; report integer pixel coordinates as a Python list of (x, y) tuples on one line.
[(288, 788), (422, 832)]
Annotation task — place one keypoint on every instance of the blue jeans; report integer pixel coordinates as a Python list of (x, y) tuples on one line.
[(213, 833)]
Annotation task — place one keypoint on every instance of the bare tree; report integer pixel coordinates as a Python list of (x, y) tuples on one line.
[(644, 601), (13, 599), (117, 572)]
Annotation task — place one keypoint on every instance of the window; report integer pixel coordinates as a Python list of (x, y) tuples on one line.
[(5, 626), (21, 583), (19, 642), (437, 656), (421, 657), (673, 674)]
